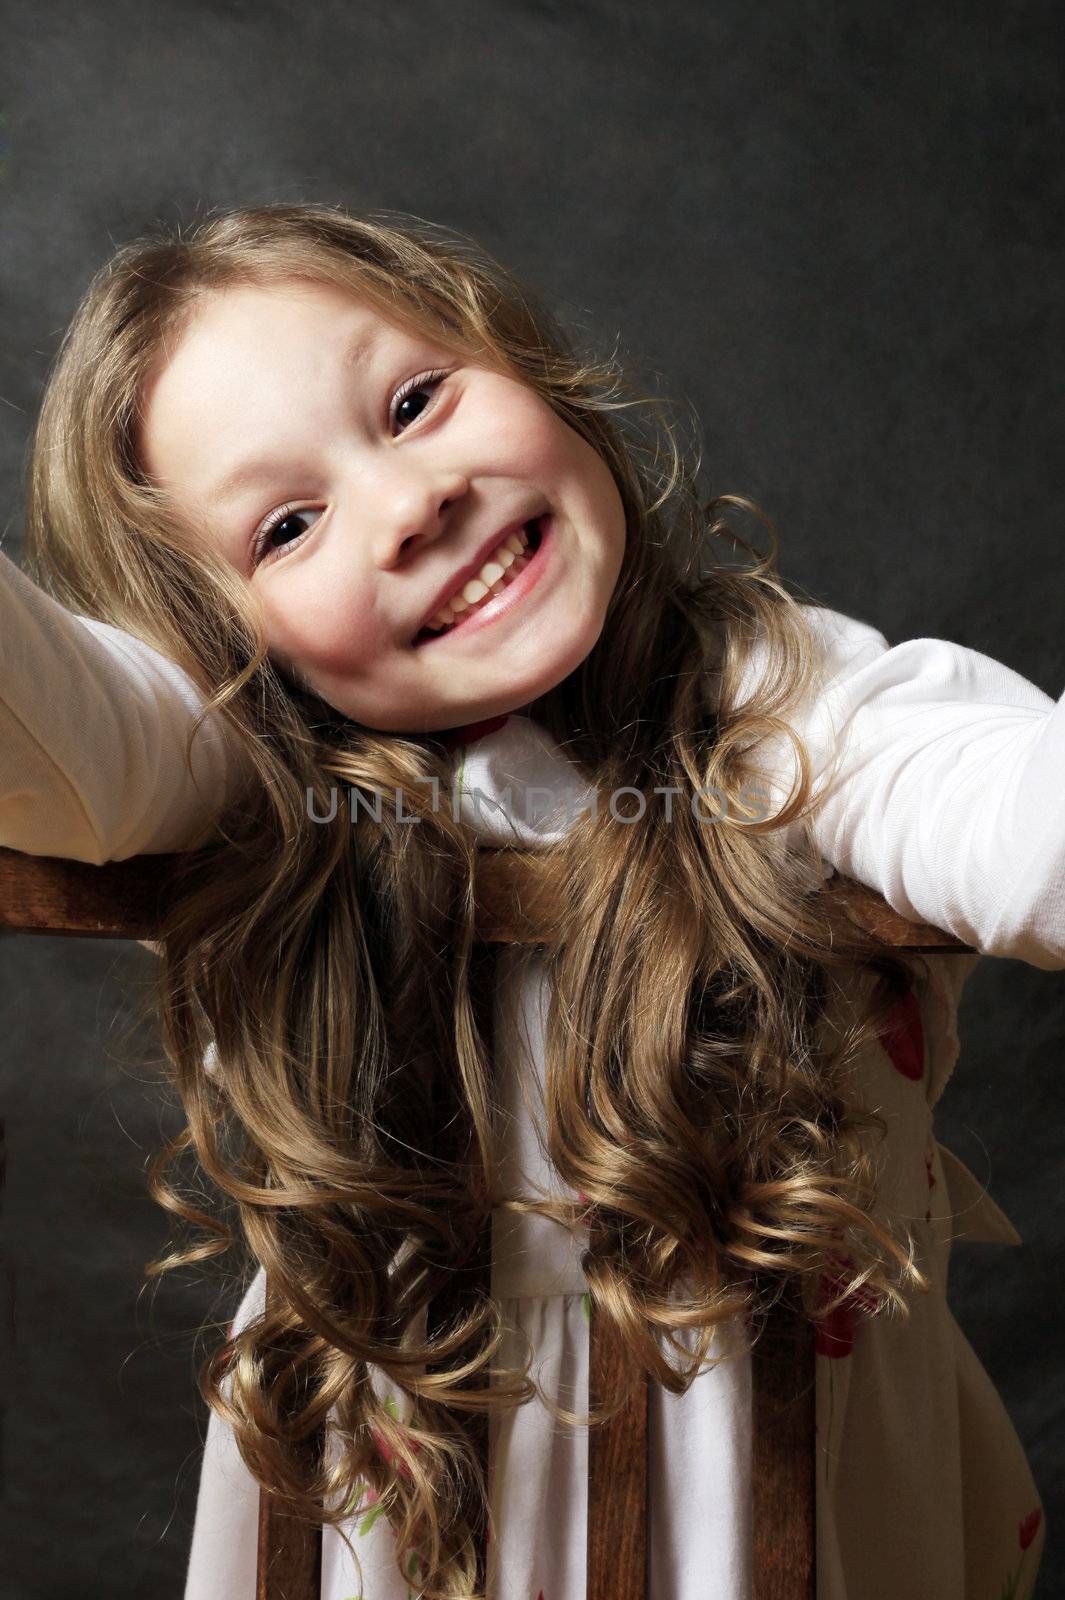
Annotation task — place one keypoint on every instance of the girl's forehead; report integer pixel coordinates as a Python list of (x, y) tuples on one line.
[(241, 341), (313, 303), (246, 323)]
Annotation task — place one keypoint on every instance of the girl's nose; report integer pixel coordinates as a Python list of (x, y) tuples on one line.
[(413, 509)]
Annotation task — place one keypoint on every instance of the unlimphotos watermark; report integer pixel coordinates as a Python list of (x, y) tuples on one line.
[(538, 805)]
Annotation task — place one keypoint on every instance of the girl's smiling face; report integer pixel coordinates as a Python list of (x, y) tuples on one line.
[(357, 474)]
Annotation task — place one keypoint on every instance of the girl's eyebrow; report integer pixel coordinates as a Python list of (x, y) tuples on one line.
[(260, 472)]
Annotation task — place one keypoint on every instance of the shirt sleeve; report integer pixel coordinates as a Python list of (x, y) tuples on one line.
[(93, 729), (942, 774)]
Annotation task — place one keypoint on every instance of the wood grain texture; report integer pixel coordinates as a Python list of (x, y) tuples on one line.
[(47, 894), (617, 1476), (289, 1555), (872, 912), (472, 1281), (120, 900), (783, 1459)]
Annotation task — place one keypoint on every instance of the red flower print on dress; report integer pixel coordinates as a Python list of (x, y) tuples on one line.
[(1029, 1527), (903, 1038), (388, 1453), (834, 1332), (385, 1448)]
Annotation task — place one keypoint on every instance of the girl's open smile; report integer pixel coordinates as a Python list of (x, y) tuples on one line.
[(499, 586), (371, 485)]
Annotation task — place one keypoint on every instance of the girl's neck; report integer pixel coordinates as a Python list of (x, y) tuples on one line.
[(451, 738), (463, 734)]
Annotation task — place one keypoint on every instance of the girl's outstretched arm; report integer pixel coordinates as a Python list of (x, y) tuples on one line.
[(93, 728), (949, 795)]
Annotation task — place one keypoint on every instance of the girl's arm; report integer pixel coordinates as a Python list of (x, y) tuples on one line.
[(949, 797), (93, 727)]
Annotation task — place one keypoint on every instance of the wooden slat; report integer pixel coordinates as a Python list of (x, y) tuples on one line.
[(289, 1555), (617, 1550), (872, 912), (783, 1460), (472, 1280), (46, 894)]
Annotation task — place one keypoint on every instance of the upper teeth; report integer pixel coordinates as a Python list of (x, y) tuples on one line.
[(477, 588)]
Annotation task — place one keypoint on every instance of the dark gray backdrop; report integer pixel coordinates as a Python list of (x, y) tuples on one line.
[(837, 230)]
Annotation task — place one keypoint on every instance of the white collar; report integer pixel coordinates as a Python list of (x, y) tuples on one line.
[(515, 786)]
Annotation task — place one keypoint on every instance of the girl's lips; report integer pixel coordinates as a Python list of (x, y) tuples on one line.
[(506, 600)]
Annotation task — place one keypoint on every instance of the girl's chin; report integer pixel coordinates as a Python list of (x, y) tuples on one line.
[(517, 675)]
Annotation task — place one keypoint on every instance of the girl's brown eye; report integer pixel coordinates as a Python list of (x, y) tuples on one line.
[(264, 549), (411, 395)]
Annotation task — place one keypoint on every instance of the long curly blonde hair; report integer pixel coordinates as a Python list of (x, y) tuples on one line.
[(697, 1088)]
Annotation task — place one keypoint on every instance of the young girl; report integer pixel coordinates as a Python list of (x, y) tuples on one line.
[(357, 564)]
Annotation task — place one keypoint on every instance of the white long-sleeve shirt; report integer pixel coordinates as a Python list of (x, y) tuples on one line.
[(945, 798), (948, 798), (93, 726)]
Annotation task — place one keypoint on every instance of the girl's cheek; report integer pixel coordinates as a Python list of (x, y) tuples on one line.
[(336, 630), (520, 432)]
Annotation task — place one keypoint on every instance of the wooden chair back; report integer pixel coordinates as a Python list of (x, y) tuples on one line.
[(41, 894)]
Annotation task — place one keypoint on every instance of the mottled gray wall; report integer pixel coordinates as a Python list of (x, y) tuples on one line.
[(837, 230)]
